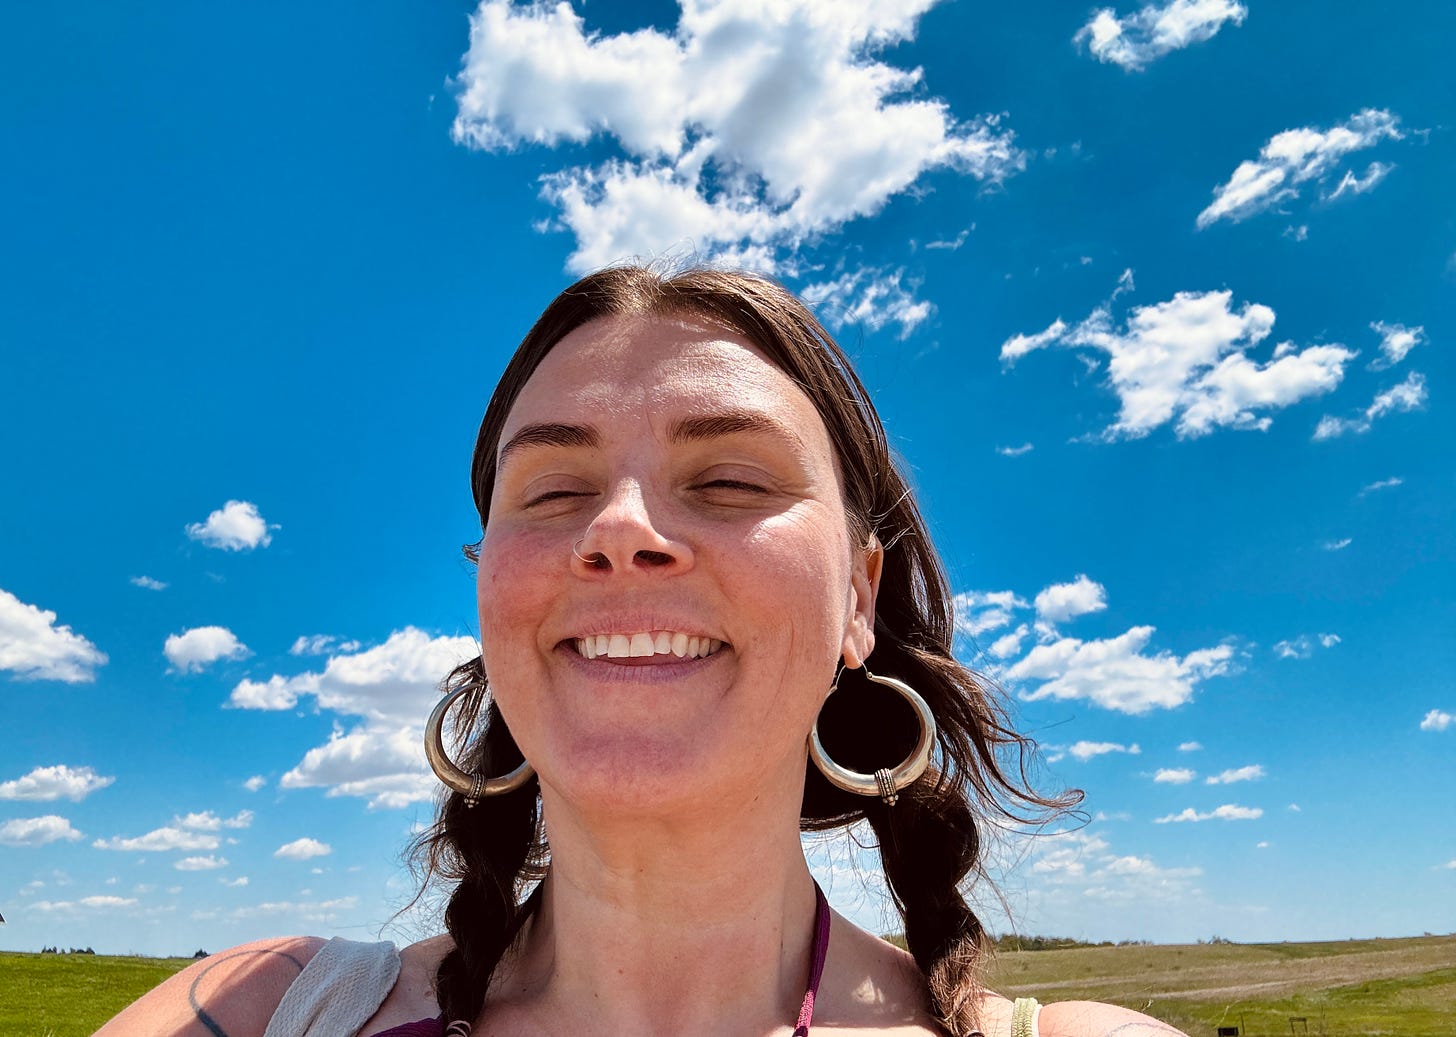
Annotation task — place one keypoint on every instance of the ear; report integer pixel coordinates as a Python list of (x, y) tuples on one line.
[(864, 586)]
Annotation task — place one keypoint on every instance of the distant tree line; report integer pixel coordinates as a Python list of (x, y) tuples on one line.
[(73, 950), (1013, 942)]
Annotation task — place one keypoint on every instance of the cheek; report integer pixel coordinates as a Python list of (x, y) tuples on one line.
[(512, 583)]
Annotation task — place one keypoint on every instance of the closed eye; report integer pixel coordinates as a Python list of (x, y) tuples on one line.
[(552, 495)]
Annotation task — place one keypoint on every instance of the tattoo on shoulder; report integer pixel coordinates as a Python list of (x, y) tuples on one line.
[(1144, 1028), (202, 1015)]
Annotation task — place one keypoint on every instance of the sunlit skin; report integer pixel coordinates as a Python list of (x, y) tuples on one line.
[(699, 484)]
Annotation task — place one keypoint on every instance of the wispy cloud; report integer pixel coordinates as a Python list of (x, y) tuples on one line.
[(34, 647), (1253, 772), (236, 526), (1336, 545), (1014, 451), (1227, 812), (147, 583), (1136, 40), (869, 298), (208, 863), (1189, 747), (1295, 159), (1085, 751), (1187, 361), (1396, 342), (1409, 395), (1302, 647), (1383, 484), (742, 134)]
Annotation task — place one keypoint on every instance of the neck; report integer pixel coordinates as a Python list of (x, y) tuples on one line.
[(699, 925)]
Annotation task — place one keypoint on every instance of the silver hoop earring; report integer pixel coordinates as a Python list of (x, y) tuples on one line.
[(887, 782), (473, 785)]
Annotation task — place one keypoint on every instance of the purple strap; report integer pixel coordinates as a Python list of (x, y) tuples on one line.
[(436, 1027), (816, 963)]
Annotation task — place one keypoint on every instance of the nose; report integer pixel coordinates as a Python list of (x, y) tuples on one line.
[(623, 537)]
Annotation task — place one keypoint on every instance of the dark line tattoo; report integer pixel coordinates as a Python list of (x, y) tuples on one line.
[(202, 1016)]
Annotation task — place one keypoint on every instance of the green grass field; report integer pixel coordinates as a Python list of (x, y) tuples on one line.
[(1357, 988)]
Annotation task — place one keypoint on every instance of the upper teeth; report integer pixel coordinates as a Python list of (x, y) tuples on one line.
[(656, 642)]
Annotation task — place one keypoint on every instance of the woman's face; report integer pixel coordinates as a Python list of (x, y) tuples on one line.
[(667, 579)]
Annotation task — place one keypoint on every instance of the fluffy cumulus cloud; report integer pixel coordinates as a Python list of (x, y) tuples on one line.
[(868, 298), (1063, 601), (1437, 720), (256, 782), (193, 650), (208, 863), (1296, 159), (390, 690), (746, 130), (1189, 747), (1187, 361), (1136, 40), (303, 849), (37, 831), (1409, 395), (236, 526), (44, 784), (189, 832), (1115, 673), (980, 612), (33, 647), (1227, 812), (1082, 865)]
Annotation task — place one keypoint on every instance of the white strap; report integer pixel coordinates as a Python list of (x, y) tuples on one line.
[(337, 991)]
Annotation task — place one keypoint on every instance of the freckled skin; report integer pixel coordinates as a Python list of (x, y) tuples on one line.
[(772, 571)]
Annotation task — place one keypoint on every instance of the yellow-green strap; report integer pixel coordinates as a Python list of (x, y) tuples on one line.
[(1023, 1017)]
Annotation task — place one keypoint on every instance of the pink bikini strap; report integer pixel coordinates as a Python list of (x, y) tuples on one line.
[(816, 963)]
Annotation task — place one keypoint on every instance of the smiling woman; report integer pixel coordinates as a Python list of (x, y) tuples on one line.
[(694, 540)]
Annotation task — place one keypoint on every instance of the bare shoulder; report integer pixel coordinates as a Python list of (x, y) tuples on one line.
[(413, 996), (230, 994), (1095, 1019)]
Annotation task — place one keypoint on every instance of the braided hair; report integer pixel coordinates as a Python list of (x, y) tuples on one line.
[(932, 840)]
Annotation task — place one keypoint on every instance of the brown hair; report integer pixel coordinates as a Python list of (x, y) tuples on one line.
[(932, 839)]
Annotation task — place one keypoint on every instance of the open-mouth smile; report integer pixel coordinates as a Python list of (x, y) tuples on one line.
[(643, 644)]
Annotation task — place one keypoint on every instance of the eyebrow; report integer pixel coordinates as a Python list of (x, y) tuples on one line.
[(684, 430)]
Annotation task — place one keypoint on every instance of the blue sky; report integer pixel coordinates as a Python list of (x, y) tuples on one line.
[(1156, 303)]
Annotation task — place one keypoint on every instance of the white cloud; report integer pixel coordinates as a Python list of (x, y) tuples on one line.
[(1174, 776), (1328, 640), (1293, 159), (322, 644), (1014, 451), (749, 129), (1337, 545), (955, 243), (1302, 647), (1383, 484), (303, 849), (193, 650), (1227, 812), (169, 837), (324, 912), (1300, 233), (1253, 772), (207, 863), (1186, 361), (1294, 808), (1437, 720), (237, 883), (1351, 184), (1136, 40), (32, 647), (207, 821), (1396, 342), (870, 298), (236, 526), (1189, 747), (37, 831), (256, 782), (1063, 601), (49, 783), (148, 583), (1085, 751), (1407, 396), (1115, 674), (392, 687), (1008, 645), (93, 903), (978, 612)]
